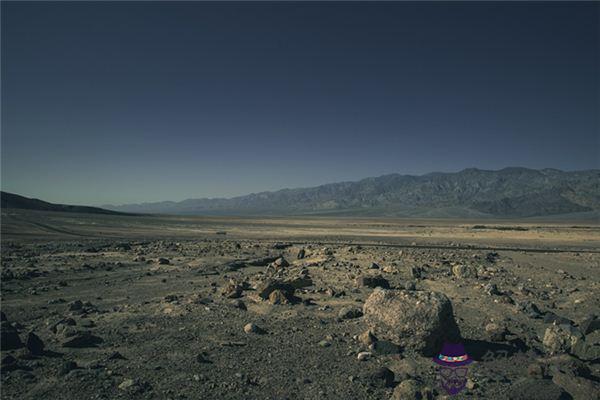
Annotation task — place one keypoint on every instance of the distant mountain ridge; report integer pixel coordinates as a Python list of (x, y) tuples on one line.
[(10, 200), (510, 192)]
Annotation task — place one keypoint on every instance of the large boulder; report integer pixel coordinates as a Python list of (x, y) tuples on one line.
[(420, 321)]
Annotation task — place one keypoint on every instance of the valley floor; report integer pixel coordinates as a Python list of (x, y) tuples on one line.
[(155, 307)]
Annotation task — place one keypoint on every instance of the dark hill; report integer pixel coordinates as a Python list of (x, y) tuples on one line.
[(10, 200)]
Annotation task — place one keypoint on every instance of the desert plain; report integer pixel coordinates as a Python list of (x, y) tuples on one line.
[(178, 307)]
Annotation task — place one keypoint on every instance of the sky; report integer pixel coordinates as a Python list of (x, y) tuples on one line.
[(113, 103)]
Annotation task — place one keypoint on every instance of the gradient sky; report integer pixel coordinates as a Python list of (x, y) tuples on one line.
[(110, 102)]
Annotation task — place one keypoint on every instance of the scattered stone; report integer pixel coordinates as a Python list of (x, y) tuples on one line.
[(82, 339), (67, 367), (495, 332), (374, 266), (126, 384), (34, 344), (201, 358), (568, 364), (407, 390), (491, 289), (115, 355), (385, 347), (372, 281), (382, 377), (265, 288), (589, 348), (303, 280), (76, 305), (561, 338), (579, 388), (492, 257), (237, 303), (8, 360), (233, 290), (529, 308), (278, 296), (417, 320), (550, 318), (280, 263), (301, 254), (535, 389), (281, 246), (367, 338), (415, 272), (464, 271), (324, 343), (536, 370), (253, 328), (163, 261), (363, 356), (590, 324), (350, 313)]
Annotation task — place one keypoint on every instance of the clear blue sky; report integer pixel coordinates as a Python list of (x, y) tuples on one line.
[(106, 102)]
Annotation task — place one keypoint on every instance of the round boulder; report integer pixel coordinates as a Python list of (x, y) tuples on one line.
[(420, 321)]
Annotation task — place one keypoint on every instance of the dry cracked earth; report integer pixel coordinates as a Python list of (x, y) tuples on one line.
[(211, 315)]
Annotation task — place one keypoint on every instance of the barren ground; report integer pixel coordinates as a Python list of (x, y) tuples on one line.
[(179, 337)]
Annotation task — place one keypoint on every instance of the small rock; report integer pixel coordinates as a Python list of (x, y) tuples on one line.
[(324, 343), (579, 388), (126, 384), (67, 367), (561, 339), (350, 313), (301, 254), (372, 282), (382, 377), (82, 339), (280, 263), (464, 271), (163, 261), (491, 289), (407, 390), (535, 389), (8, 360), (239, 304), (495, 332), (252, 328), (9, 337), (367, 338), (536, 370), (115, 355), (278, 296), (590, 324), (34, 344), (232, 290), (363, 356)]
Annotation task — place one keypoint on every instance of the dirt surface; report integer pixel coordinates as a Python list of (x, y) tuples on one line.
[(158, 307)]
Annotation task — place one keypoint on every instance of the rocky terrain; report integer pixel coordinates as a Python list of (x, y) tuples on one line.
[(109, 307)]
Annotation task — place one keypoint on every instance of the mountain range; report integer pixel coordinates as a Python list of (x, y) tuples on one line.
[(505, 193)]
